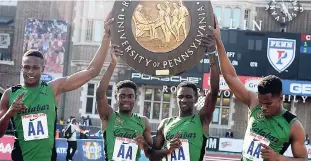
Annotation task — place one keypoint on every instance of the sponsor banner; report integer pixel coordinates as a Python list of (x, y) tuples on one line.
[(230, 145), (212, 144), (250, 83), (6, 147), (50, 38), (140, 78), (300, 88)]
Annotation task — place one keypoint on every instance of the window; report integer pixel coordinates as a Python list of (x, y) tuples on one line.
[(91, 107), (227, 17), (236, 18), (94, 30), (156, 104), (222, 111), (247, 17), (258, 45), (218, 13), (255, 45)]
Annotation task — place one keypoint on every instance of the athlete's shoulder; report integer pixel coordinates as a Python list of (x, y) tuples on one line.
[(15, 88), (289, 117)]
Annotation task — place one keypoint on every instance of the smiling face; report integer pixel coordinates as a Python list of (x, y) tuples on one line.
[(126, 98), (32, 69), (186, 99)]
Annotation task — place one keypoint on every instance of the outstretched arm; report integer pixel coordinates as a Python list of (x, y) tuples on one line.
[(76, 80), (103, 108), (206, 113), (236, 86)]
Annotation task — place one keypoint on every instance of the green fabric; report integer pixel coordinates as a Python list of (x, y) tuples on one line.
[(191, 129), (39, 99), (276, 129), (122, 126)]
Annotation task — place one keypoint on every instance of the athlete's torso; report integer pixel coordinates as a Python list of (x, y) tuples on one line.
[(192, 136), (119, 135), (273, 131), (35, 127)]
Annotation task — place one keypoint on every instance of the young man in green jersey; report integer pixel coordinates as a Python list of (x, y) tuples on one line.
[(271, 129), (183, 137), (121, 127), (32, 106)]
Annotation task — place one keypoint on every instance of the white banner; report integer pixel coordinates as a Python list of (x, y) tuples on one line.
[(230, 145)]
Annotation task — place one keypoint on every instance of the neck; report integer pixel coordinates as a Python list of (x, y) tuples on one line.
[(126, 113), (31, 85), (186, 113)]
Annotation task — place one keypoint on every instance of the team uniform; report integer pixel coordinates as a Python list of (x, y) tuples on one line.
[(193, 138), (272, 131), (119, 135), (35, 127)]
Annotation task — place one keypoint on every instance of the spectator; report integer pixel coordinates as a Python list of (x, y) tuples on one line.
[(62, 121), (72, 141), (69, 120), (82, 121), (229, 134), (307, 140), (88, 121)]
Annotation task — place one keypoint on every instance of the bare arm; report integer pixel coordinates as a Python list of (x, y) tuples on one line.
[(147, 132), (76, 80), (156, 153), (297, 143), (236, 86), (4, 116), (206, 113), (103, 108)]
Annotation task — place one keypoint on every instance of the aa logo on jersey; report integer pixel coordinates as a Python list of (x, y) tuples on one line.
[(281, 53)]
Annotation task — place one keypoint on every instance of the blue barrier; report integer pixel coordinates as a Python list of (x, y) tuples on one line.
[(87, 150)]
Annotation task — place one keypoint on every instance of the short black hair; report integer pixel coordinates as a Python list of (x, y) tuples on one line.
[(189, 85), (34, 53), (270, 84), (126, 84)]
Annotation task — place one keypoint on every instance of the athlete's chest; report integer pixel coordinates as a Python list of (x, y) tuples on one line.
[(275, 131), (188, 129), (126, 128)]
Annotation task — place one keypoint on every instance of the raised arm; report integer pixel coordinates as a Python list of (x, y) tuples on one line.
[(236, 86), (206, 113), (103, 108), (76, 80)]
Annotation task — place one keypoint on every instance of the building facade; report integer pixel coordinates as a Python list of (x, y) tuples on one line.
[(156, 98)]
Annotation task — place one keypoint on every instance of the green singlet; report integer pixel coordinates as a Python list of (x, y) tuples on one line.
[(273, 131), (35, 127), (119, 135), (193, 138)]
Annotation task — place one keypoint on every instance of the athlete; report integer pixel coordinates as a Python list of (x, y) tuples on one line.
[(32, 106), (121, 127), (271, 129), (183, 137)]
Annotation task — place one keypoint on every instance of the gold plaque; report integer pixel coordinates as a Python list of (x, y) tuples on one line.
[(160, 26)]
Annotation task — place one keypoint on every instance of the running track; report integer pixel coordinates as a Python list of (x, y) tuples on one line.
[(221, 157)]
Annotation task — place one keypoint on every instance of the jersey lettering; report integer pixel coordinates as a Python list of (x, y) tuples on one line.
[(181, 154), (252, 146), (35, 126), (124, 150)]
